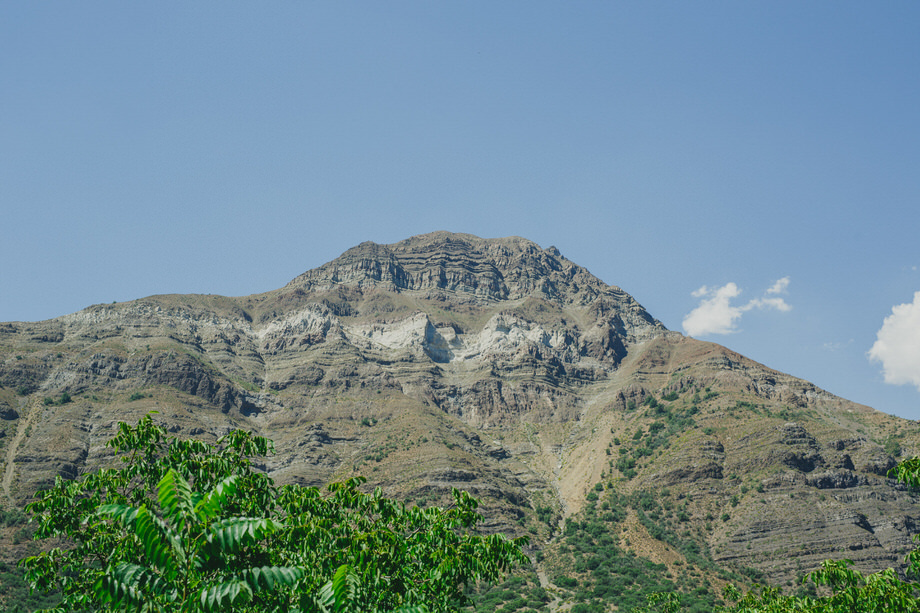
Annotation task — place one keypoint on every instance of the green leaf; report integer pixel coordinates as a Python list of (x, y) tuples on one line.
[(270, 577), (162, 544), (224, 595), (124, 514), (230, 535), (209, 507), (175, 497), (122, 586)]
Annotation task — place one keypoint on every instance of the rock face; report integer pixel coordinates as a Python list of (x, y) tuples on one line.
[(495, 366)]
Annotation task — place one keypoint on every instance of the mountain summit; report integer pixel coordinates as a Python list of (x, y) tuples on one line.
[(464, 272), (510, 268), (493, 365)]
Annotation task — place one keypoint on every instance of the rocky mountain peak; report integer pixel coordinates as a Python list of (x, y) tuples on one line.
[(508, 268)]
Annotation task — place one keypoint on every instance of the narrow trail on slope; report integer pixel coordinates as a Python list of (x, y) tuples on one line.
[(555, 604), (30, 412)]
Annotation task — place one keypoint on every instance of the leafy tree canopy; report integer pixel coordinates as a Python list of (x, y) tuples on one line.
[(184, 525)]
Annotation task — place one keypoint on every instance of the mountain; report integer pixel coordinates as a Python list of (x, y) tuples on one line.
[(492, 365)]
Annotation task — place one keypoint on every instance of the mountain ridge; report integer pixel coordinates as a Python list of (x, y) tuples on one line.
[(493, 365)]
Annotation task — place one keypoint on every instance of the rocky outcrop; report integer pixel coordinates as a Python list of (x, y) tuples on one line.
[(788, 444), (492, 402), (25, 373), (704, 461), (479, 271), (836, 479)]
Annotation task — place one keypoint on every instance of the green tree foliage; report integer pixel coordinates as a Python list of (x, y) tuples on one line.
[(850, 592), (191, 556), (188, 526)]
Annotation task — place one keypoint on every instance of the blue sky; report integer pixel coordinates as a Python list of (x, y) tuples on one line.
[(751, 169)]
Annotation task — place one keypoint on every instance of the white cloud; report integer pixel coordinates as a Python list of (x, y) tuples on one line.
[(897, 344), (768, 303), (716, 315), (837, 346), (779, 287)]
